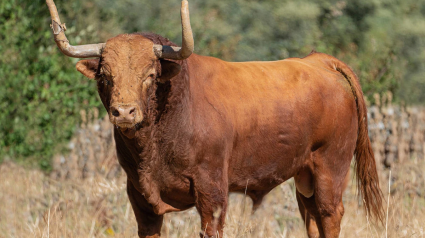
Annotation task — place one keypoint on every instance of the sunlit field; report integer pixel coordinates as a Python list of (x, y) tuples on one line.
[(85, 197), (34, 205)]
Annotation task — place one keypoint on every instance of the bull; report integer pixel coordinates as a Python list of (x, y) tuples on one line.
[(189, 129)]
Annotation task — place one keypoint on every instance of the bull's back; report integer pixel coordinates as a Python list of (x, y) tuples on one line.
[(273, 113)]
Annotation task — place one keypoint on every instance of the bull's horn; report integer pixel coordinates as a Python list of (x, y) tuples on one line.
[(80, 51), (179, 53)]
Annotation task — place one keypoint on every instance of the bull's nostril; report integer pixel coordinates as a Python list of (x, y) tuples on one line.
[(132, 111), (115, 113)]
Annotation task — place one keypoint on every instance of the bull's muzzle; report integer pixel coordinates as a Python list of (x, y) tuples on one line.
[(125, 115)]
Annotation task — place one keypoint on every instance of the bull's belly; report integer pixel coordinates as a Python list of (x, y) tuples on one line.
[(264, 169)]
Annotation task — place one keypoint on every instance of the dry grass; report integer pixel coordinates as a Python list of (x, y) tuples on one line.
[(85, 197), (34, 205)]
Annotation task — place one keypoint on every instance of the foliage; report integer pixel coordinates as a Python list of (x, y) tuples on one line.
[(42, 93), (383, 40)]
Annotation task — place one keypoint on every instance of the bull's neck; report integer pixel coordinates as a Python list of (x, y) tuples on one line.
[(173, 100), (168, 109)]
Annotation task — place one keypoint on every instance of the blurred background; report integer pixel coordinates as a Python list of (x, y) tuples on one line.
[(51, 120)]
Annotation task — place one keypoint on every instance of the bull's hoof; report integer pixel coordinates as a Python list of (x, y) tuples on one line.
[(203, 235), (149, 236)]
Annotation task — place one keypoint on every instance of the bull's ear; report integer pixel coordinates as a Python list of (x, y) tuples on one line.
[(88, 67), (169, 69)]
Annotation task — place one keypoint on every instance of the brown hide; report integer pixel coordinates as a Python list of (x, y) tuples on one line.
[(220, 127)]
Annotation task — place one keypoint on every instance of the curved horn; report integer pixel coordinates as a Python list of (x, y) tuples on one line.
[(179, 53), (80, 51)]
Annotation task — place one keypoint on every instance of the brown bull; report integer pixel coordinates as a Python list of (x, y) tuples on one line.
[(189, 130)]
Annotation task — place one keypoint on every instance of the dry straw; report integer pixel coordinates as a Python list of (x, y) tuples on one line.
[(85, 195)]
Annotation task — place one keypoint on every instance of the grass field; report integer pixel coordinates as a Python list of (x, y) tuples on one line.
[(85, 197), (33, 204)]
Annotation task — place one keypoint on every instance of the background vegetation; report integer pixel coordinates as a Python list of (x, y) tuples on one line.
[(41, 93)]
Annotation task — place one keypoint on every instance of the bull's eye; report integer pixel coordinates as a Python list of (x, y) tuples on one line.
[(152, 76), (106, 81)]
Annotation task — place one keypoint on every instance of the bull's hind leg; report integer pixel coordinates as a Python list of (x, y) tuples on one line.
[(319, 192), (330, 175), (304, 205), (149, 224)]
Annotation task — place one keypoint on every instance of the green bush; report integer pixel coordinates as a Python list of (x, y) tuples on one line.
[(41, 93), (382, 40)]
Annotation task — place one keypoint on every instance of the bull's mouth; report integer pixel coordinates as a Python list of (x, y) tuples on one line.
[(129, 126), (126, 125), (129, 129), (123, 123)]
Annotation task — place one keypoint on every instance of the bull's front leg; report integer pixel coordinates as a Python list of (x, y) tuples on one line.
[(149, 224), (211, 202)]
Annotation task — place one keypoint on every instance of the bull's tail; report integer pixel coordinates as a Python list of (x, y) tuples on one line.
[(365, 166)]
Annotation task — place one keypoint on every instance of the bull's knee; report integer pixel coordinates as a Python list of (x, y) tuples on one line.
[(304, 183), (203, 235)]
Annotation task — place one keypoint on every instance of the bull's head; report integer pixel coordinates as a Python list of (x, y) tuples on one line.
[(126, 66)]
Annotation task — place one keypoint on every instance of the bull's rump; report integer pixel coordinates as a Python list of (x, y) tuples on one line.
[(272, 115)]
